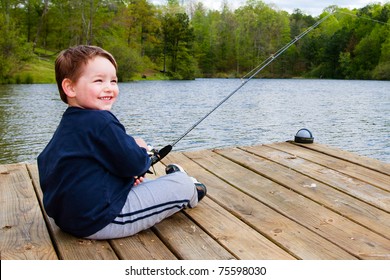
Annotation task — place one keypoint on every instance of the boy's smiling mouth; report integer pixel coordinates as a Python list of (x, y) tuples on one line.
[(106, 98)]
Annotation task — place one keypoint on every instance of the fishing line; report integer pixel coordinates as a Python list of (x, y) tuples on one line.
[(279, 52), (252, 74), (266, 62), (158, 155), (362, 17)]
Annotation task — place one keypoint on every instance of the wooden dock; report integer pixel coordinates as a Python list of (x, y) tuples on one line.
[(278, 201)]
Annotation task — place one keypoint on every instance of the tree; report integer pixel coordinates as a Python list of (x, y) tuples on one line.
[(203, 39), (191, 41), (299, 22), (334, 47), (178, 37), (382, 70), (367, 55), (225, 51), (43, 16), (14, 50), (261, 31), (142, 25)]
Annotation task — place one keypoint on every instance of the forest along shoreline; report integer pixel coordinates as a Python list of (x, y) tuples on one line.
[(175, 41)]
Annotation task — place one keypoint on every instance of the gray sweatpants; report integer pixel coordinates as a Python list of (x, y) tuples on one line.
[(149, 203)]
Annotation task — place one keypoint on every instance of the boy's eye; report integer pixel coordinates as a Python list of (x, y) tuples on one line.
[(98, 80), (114, 81)]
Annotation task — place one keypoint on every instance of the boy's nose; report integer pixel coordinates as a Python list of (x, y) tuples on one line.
[(108, 88)]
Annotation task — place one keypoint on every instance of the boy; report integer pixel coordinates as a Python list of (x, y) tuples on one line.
[(90, 170)]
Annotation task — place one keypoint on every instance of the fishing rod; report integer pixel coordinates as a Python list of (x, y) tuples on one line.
[(158, 155), (363, 17)]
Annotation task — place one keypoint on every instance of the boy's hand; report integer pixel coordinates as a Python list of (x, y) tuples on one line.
[(138, 180)]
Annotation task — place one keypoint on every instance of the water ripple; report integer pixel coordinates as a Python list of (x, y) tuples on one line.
[(351, 115)]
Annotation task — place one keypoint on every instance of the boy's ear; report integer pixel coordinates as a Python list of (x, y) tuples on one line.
[(67, 86)]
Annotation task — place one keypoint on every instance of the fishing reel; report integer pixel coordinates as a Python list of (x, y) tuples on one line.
[(152, 151), (157, 155)]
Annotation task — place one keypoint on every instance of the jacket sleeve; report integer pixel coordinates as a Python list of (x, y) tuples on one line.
[(119, 152)]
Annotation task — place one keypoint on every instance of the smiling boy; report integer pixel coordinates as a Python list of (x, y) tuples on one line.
[(90, 170)]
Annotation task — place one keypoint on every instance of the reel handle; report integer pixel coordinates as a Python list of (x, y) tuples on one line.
[(156, 155)]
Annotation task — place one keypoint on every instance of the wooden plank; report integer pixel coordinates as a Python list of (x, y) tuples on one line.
[(359, 172), (356, 188), (367, 162), (158, 170), (288, 234), (237, 237), (70, 247), (257, 209), (188, 241), (145, 245), (142, 246), (357, 240), (344, 204), (22, 226)]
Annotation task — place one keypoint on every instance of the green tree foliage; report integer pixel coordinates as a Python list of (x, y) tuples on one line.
[(261, 31), (203, 41), (14, 50), (178, 37), (355, 48), (382, 70), (184, 40)]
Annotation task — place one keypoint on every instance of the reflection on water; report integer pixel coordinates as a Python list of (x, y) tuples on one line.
[(352, 115)]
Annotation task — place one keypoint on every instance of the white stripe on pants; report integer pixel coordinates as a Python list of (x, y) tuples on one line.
[(149, 203)]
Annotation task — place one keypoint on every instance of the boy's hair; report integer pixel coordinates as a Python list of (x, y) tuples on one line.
[(70, 62)]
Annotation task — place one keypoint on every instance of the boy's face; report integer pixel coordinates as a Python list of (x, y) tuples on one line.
[(97, 87)]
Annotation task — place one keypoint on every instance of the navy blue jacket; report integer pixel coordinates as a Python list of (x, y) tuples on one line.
[(87, 170)]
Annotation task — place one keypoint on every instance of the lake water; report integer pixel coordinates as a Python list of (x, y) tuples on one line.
[(351, 115)]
